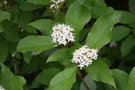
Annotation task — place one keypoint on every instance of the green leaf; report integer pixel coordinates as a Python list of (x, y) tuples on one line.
[(97, 7), (35, 44), (47, 13), (99, 71), (33, 66), (99, 3), (10, 81), (44, 77), (3, 51), (82, 34), (121, 79), (132, 6), (14, 11), (26, 6), (88, 3), (24, 19), (60, 17), (100, 11), (69, 2), (4, 15), (10, 31), (127, 18), (75, 47), (1, 29), (100, 33), (127, 45), (119, 32), (27, 57), (63, 80), (91, 84), (77, 16), (44, 25), (131, 81), (94, 3), (39, 2), (61, 55)]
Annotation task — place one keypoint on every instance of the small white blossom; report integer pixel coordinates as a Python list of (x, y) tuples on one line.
[(34, 53), (21, 30), (84, 56), (62, 34), (5, 2), (1, 88), (13, 54), (113, 44), (56, 4)]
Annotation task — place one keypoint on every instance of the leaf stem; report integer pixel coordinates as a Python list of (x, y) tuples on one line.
[(84, 83), (15, 68)]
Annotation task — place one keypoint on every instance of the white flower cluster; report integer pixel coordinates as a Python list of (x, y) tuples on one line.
[(1, 88), (56, 4), (62, 34), (84, 56)]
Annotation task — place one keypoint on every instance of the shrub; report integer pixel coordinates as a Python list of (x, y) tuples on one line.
[(66, 45)]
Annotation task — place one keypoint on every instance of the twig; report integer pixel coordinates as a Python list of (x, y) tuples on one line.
[(15, 69), (84, 83)]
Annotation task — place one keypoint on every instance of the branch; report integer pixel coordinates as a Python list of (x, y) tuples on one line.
[(84, 83)]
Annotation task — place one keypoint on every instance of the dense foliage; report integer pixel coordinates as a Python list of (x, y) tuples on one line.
[(32, 57)]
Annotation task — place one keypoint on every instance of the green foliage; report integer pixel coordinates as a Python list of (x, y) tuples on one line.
[(27, 6), (43, 25), (63, 80), (120, 32), (127, 45), (3, 51), (10, 81), (90, 82), (35, 44), (127, 18), (4, 15), (131, 81), (31, 60), (100, 33), (11, 34), (45, 77), (75, 13), (132, 6), (121, 79), (39, 2), (1, 30), (61, 55), (27, 57), (100, 72)]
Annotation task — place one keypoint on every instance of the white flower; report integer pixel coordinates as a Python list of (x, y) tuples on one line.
[(113, 44), (1, 88), (84, 56), (56, 4), (62, 34), (5, 2)]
